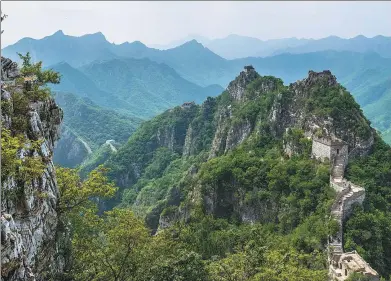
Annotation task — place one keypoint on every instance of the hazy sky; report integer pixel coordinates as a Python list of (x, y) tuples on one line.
[(163, 22)]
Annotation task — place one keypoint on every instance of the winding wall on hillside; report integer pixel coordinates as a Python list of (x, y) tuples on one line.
[(342, 264)]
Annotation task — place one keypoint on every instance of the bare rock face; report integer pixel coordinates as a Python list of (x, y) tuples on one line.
[(9, 69), (288, 112), (31, 235), (237, 87), (237, 134)]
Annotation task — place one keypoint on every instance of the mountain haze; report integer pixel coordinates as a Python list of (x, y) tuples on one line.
[(237, 46), (358, 66)]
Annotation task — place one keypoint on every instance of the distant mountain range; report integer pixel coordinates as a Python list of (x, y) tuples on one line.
[(137, 87), (237, 46), (141, 82)]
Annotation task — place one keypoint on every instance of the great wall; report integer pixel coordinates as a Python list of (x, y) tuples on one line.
[(342, 264)]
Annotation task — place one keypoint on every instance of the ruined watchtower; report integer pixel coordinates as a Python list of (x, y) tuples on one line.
[(334, 150), (325, 148), (349, 263), (248, 68), (188, 104)]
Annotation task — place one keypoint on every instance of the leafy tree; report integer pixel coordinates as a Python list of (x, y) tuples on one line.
[(77, 194), (109, 247), (17, 158), (35, 79)]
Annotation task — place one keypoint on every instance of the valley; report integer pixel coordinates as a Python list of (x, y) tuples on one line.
[(210, 158)]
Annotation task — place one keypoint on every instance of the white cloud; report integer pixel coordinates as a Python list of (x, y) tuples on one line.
[(162, 22)]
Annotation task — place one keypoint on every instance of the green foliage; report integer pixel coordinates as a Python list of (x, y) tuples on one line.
[(93, 160), (339, 104), (298, 142), (265, 180), (358, 277), (368, 229), (251, 252), (137, 87), (161, 159), (141, 146), (35, 79), (76, 194), (261, 94), (108, 248), (208, 200), (23, 167), (94, 124), (117, 246)]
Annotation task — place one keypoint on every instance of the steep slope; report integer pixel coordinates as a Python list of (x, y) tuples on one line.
[(76, 82), (149, 86), (221, 124), (33, 239), (98, 157), (86, 127), (196, 63), (245, 157), (366, 76), (378, 111), (191, 60), (355, 62)]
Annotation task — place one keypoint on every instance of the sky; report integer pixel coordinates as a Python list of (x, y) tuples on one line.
[(163, 22)]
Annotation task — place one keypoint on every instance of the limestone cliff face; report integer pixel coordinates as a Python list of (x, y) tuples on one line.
[(287, 111), (230, 134), (252, 107), (237, 87), (30, 231)]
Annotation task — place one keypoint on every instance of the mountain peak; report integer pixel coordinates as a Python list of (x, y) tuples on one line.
[(58, 33), (324, 76), (193, 43), (237, 87), (138, 43), (97, 35), (360, 37)]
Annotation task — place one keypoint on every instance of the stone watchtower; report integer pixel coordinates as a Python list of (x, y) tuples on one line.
[(248, 68), (334, 150)]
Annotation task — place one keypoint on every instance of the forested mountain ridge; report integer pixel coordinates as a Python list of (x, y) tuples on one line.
[(362, 71), (110, 98), (229, 186), (86, 127), (227, 159)]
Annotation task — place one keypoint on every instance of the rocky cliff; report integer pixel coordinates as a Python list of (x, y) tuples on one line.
[(254, 110), (31, 235)]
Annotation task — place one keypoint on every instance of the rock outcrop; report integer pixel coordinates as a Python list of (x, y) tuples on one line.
[(237, 87), (253, 107), (32, 237)]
